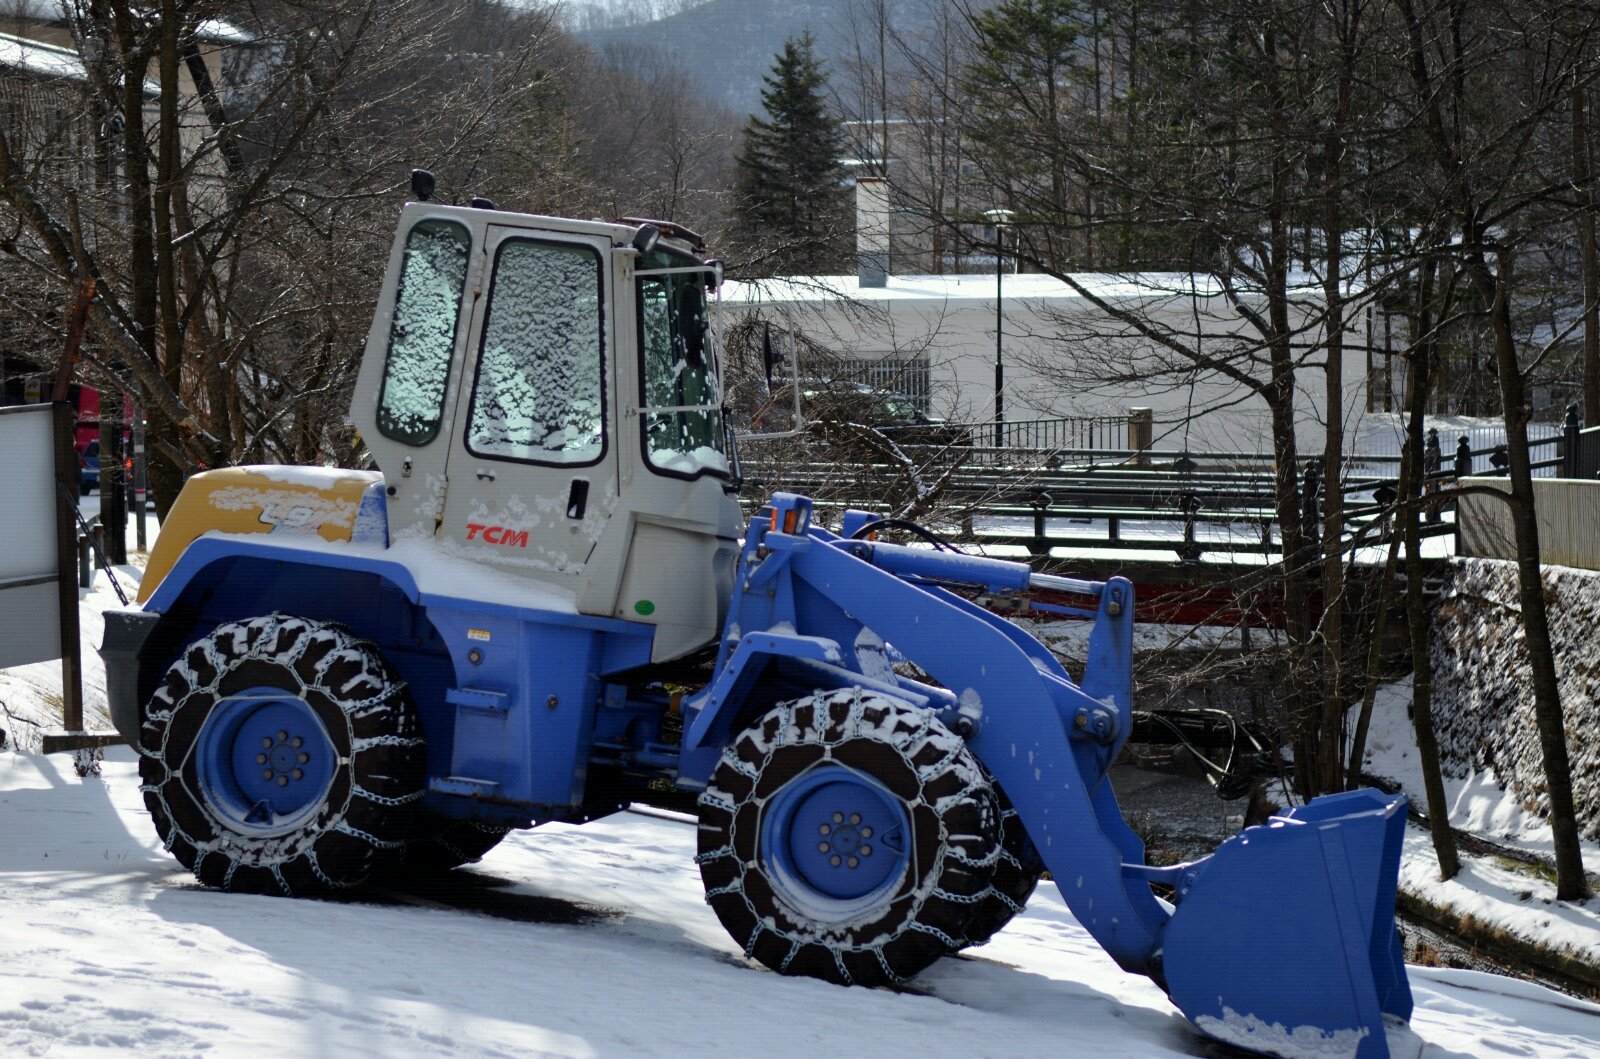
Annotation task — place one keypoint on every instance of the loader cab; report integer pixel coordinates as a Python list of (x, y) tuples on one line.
[(543, 398)]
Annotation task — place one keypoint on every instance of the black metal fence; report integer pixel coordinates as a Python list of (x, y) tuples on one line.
[(1155, 501), (1580, 450)]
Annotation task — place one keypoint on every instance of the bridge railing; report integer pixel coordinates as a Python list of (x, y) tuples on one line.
[(1187, 504)]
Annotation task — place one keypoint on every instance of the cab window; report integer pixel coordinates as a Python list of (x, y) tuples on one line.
[(539, 391), (422, 335), (683, 432)]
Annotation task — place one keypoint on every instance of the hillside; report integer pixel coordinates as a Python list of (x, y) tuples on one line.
[(728, 45)]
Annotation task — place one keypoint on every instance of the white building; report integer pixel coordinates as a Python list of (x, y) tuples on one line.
[(1064, 355)]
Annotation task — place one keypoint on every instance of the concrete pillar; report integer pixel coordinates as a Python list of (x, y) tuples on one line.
[(872, 231), (1141, 433)]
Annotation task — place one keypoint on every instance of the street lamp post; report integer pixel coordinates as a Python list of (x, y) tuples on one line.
[(999, 218)]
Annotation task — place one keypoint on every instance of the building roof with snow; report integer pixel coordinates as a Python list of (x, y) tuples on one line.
[(974, 288), (60, 13), (45, 61)]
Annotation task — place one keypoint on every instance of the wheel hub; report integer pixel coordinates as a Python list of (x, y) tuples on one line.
[(264, 761), (836, 834)]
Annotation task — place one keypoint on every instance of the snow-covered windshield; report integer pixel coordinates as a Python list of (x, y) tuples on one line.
[(422, 337), (539, 393), (683, 417)]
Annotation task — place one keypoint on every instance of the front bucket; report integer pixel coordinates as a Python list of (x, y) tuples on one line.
[(1285, 942)]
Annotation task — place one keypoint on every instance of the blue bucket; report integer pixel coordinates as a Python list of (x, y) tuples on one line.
[(1285, 941)]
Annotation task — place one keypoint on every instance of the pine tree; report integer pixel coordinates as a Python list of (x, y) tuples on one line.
[(791, 203)]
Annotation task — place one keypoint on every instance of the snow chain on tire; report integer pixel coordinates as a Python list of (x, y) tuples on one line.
[(954, 841), (379, 772), (1016, 874)]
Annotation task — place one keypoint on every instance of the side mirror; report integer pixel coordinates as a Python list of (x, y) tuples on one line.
[(769, 360)]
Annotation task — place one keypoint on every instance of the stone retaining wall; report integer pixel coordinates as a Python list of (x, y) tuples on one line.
[(1483, 687)]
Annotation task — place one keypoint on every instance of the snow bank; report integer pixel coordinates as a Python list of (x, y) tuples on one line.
[(1500, 894)]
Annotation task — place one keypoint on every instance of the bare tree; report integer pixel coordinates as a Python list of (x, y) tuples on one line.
[(1468, 64), (243, 211)]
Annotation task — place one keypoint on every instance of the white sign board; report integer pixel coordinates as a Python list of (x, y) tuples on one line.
[(29, 628)]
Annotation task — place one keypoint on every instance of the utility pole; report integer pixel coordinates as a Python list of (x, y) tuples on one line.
[(999, 218)]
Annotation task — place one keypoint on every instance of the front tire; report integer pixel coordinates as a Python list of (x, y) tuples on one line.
[(281, 755), (847, 836), (1016, 874)]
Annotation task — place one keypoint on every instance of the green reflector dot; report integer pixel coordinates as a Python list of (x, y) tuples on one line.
[(644, 607)]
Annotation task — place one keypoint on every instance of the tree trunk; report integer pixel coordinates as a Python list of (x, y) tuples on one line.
[(1380, 629), (1570, 882), (1417, 617), (1331, 622)]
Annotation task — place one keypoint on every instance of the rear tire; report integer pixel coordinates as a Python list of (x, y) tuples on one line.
[(281, 755), (441, 844), (847, 836)]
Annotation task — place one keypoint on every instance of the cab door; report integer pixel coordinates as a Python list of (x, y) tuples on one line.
[(532, 464)]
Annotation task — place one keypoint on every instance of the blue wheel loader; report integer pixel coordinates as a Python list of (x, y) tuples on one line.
[(547, 606)]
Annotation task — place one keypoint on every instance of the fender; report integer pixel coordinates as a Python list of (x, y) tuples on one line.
[(138, 643), (201, 555), (767, 667), (265, 573)]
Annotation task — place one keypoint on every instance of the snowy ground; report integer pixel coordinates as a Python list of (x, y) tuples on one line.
[(600, 944), (108, 947), (1497, 891)]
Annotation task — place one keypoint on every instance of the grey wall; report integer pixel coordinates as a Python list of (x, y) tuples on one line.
[(1483, 699)]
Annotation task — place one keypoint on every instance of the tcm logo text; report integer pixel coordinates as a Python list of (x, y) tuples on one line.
[(498, 535)]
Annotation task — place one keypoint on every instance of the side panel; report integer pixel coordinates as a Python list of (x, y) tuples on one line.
[(679, 581), (524, 710)]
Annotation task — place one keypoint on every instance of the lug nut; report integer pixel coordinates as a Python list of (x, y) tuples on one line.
[(297, 742), (266, 774), (296, 774), (283, 781), (834, 860), (282, 736), (838, 818), (304, 758), (866, 832), (266, 741), (866, 851), (825, 829), (852, 862), (855, 818), (823, 847), (261, 759)]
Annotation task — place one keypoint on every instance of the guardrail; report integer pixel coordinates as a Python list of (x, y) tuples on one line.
[(1185, 504)]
